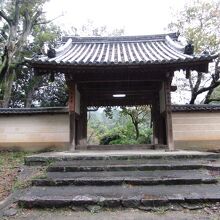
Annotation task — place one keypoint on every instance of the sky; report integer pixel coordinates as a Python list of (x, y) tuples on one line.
[(136, 17)]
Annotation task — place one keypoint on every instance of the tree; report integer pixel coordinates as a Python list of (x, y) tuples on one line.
[(90, 29), (137, 114), (18, 19), (199, 22), (40, 89), (111, 126), (30, 89)]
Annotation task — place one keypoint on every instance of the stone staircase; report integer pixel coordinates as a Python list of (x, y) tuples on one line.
[(124, 179)]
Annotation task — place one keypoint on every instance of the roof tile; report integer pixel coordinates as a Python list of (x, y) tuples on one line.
[(150, 49)]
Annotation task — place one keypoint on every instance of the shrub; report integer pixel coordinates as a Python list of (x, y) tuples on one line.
[(105, 140)]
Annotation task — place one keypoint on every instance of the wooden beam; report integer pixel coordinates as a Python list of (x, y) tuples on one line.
[(119, 102), (119, 77), (112, 92), (109, 96), (109, 86)]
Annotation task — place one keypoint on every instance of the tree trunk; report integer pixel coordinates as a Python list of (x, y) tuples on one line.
[(28, 101), (136, 130), (193, 99), (208, 96), (8, 89), (6, 76), (33, 85)]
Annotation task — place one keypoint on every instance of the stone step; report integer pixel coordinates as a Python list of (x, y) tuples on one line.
[(118, 196), (46, 158), (121, 147), (131, 165), (125, 177)]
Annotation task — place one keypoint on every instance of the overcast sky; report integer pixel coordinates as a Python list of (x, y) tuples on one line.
[(136, 17)]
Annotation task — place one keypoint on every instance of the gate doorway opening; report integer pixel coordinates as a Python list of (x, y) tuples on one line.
[(119, 125)]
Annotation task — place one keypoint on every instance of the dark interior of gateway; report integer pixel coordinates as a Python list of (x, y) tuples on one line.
[(136, 86)]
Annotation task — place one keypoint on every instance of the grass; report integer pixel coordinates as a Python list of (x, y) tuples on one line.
[(10, 166), (10, 163), (24, 183), (12, 159)]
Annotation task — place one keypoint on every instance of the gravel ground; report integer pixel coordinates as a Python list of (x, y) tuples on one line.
[(115, 215)]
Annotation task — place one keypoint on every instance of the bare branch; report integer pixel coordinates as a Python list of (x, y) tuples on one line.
[(5, 17), (205, 89), (35, 17), (198, 81), (49, 21), (26, 19), (16, 16), (3, 34), (217, 68), (190, 82)]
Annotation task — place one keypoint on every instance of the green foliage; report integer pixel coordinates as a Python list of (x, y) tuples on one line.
[(199, 22), (107, 139), (126, 135), (30, 90), (18, 19), (47, 33), (52, 94), (115, 127), (33, 91), (215, 97)]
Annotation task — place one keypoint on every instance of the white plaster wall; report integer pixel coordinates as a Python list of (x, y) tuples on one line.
[(34, 131), (196, 130)]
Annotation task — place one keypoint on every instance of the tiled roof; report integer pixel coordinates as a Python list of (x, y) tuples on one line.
[(27, 111), (63, 110), (150, 49), (194, 108)]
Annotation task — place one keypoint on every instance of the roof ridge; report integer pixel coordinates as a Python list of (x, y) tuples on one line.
[(195, 107), (120, 38)]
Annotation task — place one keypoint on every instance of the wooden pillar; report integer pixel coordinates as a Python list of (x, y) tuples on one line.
[(155, 119), (72, 115), (83, 123), (168, 115), (161, 130)]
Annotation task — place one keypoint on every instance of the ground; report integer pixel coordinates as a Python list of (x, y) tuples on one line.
[(10, 166), (129, 214)]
